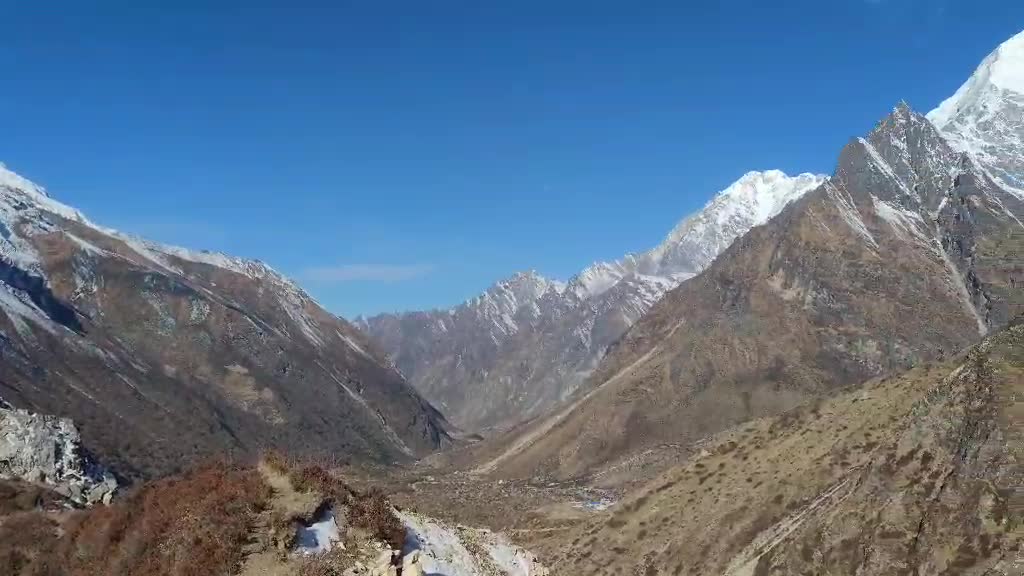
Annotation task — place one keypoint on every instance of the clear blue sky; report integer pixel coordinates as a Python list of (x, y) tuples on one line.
[(395, 155)]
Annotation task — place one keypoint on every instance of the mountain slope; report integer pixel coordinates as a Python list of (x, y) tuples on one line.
[(527, 343), (920, 474), (161, 355), (907, 253)]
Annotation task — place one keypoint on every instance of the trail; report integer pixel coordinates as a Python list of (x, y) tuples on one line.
[(745, 563)]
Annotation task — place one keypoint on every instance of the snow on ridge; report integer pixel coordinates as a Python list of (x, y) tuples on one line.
[(1002, 69), (638, 280), (848, 211), (26, 203), (37, 197), (885, 167), (983, 117)]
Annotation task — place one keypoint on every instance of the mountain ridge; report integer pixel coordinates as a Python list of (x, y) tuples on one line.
[(905, 254), (140, 343), (527, 342)]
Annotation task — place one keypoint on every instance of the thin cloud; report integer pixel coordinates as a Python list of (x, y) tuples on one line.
[(367, 273)]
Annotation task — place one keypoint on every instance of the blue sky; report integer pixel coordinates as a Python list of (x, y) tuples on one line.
[(398, 155)]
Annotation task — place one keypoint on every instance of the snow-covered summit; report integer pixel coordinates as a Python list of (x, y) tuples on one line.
[(985, 117), (750, 201), (1002, 70)]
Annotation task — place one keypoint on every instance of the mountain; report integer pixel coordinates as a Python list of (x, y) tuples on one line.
[(916, 474), (527, 343), (162, 355), (985, 117), (909, 252)]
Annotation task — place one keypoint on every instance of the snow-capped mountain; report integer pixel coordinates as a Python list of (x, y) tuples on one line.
[(985, 117), (909, 252), (697, 240), (527, 342), (161, 354)]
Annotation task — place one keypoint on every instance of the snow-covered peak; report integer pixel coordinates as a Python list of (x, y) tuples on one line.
[(750, 201), (524, 287), (9, 179), (25, 194), (758, 195), (985, 117), (1002, 70)]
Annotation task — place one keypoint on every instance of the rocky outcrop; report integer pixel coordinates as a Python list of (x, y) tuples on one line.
[(47, 450)]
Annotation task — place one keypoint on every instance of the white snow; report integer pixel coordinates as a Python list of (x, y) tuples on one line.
[(24, 210), (641, 279), (352, 344), (849, 213), (884, 166), (444, 551), (19, 308), (907, 224), (984, 117), (1002, 69), (318, 537), (695, 242)]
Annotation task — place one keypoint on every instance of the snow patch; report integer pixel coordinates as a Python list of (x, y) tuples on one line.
[(446, 550), (318, 537), (850, 214), (907, 224)]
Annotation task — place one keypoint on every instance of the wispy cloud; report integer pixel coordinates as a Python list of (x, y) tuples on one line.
[(366, 273)]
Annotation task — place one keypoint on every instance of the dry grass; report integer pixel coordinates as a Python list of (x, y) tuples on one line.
[(200, 523), (194, 524), (370, 510)]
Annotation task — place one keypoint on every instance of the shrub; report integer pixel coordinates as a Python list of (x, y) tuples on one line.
[(196, 524), (373, 513)]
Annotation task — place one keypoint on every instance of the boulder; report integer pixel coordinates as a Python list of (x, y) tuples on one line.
[(44, 449)]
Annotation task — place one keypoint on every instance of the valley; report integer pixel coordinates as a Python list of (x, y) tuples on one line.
[(810, 375)]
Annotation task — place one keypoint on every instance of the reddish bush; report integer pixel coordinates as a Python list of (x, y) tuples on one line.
[(196, 524)]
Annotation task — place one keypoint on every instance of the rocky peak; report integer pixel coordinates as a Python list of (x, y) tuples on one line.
[(905, 159)]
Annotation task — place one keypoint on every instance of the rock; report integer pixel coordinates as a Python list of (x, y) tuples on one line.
[(382, 565), (45, 449), (411, 564)]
